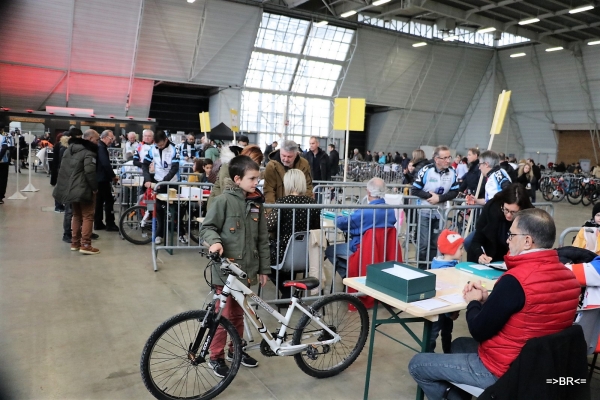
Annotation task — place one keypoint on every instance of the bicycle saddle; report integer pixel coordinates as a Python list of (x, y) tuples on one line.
[(303, 284)]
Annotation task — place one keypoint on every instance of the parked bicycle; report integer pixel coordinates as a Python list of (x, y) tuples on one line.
[(326, 340), (135, 223)]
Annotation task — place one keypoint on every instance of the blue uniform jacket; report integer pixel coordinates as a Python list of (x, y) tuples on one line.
[(362, 220)]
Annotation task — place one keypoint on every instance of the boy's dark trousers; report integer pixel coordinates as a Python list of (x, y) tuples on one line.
[(444, 324)]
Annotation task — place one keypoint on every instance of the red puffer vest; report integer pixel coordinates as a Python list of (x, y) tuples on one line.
[(551, 298)]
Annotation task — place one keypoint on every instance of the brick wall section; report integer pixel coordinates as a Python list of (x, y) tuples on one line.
[(575, 145)]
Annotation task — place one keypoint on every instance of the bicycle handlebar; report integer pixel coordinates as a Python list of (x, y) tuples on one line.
[(226, 265)]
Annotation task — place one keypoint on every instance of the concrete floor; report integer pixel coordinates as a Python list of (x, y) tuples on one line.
[(73, 326)]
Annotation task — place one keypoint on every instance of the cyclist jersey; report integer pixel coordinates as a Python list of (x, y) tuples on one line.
[(187, 150), (163, 161), (497, 179), (429, 179)]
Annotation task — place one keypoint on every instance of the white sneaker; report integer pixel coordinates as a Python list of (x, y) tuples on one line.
[(183, 240), (158, 240)]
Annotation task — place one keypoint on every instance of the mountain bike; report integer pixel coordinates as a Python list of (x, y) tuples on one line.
[(326, 340)]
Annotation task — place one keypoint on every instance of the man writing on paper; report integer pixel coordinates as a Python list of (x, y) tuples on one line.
[(501, 322)]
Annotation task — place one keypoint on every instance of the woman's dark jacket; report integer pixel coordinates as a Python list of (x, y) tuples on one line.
[(490, 233)]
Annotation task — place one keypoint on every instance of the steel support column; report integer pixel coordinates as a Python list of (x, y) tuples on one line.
[(444, 99), (587, 98), (191, 75), (412, 98), (134, 57), (69, 55), (539, 77), (483, 83)]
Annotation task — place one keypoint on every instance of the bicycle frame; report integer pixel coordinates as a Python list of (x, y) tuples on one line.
[(240, 293)]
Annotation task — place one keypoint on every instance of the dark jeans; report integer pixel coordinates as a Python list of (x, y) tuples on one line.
[(428, 234), (3, 179), (104, 204), (444, 324), (161, 208), (67, 219)]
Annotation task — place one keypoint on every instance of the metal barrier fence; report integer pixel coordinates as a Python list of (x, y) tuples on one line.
[(564, 233), (179, 206), (350, 192), (360, 171)]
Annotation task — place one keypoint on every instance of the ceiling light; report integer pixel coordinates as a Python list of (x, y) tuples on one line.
[(594, 43), (581, 9), (517, 55), (380, 2), (554, 48), (321, 23), (191, 1), (420, 44), (348, 14), (486, 30), (450, 38), (529, 21)]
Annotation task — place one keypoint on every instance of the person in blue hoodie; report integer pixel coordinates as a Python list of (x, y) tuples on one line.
[(450, 245), (358, 223)]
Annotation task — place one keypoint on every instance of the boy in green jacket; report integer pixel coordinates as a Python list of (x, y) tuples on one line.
[(235, 226)]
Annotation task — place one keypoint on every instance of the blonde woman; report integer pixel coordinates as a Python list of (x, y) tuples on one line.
[(526, 178), (283, 223)]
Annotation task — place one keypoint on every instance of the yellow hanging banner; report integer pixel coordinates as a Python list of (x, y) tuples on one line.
[(204, 122), (235, 120), (349, 116), (500, 114)]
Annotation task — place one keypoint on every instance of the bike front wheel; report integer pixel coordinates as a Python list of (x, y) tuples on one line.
[(167, 365), (133, 227), (328, 360)]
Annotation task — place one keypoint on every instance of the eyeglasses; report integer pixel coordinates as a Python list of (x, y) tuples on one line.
[(444, 158), (505, 211), (510, 235)]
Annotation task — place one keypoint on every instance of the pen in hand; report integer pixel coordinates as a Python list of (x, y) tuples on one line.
[(484, 253)]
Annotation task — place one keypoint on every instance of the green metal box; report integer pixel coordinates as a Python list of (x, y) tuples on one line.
[(401, 281)]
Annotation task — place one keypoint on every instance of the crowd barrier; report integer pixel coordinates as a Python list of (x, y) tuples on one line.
[(565, 233), (311, 251), (360, 171)]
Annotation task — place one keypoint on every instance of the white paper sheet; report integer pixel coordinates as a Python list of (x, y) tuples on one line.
[(429, 304), (404, 273), (481, 267), (441, 285), (453, 298)]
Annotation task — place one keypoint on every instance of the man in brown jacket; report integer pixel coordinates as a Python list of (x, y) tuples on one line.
[(282, 160)]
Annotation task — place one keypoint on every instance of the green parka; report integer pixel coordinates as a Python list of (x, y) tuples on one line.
[(240, 225), (76, 182)]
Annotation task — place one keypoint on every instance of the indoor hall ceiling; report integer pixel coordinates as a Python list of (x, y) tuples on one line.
[(557, 27)]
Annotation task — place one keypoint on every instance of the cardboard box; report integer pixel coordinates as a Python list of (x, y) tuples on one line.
[(401, 281)]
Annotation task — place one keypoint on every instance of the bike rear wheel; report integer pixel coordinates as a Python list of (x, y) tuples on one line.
[(574, 195), (166, 364), (352, 326), (130, 225)]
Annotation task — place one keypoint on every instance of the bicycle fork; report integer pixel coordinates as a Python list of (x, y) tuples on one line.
[(210, 323)]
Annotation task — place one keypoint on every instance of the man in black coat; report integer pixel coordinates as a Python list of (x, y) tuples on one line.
[(505, 165), (318, 160), (471, 178), (398, 158), (334, 160), (105, 175)]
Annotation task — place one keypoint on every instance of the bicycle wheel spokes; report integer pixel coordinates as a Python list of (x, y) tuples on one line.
[(352, 327), (134, 228), (170, 371)]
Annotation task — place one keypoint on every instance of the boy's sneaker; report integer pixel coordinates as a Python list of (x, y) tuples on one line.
[(158, 240), (183, 240), (88, 250), (247, 361), (74, 247), (219, 367)]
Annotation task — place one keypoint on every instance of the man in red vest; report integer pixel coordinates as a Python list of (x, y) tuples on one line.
[(503, 321)]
